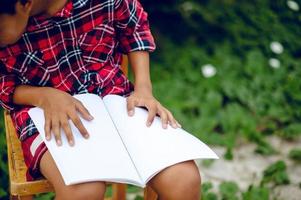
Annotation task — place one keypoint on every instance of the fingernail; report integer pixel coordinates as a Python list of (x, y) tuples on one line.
[(131, 113), (164, 126), (71, 142), (174, 125), (148, 124), (87, 136), (47, 137), (59, 142), (90, 117)]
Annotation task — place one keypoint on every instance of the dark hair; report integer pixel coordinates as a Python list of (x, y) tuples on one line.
[(8, 6)]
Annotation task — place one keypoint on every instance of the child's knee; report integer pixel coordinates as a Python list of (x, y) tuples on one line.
[(84, 191), (192, 175), (180, 181), (188, 182), (189, 176)]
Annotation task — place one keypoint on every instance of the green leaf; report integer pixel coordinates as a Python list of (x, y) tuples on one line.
[(138, 197), (276, 174), (207, 194), (3, 193), (295, 154), (256, 193), (229, 190)]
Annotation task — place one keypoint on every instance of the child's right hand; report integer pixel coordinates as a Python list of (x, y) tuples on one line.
[(58, 107)]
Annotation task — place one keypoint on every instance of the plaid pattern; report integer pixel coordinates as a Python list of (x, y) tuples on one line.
[(78, 50)]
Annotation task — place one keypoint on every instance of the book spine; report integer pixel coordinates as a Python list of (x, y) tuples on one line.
[(141, 179)]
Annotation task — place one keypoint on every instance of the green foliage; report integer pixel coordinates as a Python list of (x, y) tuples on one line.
[(109, 191), (246, 24), (3, 161), (210, 196), (295, 154), (233, 103), (138, 197), (207, 193), (45, 196), (246, 97), (290, 131), (276, 174), (256, 193), (263, 147), (2, 193), (229, 191), (133, 189), (207, 163), (228, 155)]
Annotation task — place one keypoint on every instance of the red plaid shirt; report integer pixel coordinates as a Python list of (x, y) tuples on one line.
[(78, 50)]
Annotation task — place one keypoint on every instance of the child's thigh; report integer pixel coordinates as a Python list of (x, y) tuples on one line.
[(50, 171)]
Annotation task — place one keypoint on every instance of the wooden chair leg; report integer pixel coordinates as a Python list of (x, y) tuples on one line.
[(26, 197), (119, 191), (150, 194), (12, 197)]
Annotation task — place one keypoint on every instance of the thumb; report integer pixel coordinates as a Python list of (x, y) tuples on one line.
[(130, 106)]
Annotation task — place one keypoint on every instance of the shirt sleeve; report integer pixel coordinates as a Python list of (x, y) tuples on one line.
[(132, 27), (8, 83)]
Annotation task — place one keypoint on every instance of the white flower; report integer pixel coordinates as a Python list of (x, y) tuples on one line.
[(274, 63), (187, 6), (293, 5), (276, 47), (208, 70)]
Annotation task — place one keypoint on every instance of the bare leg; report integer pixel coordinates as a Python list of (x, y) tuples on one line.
[(178, 182), (83, 191)]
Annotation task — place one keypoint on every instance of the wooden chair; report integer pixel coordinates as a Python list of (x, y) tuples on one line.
[(25, 190)]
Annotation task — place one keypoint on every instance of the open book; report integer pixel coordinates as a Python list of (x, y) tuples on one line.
[(120, 148)]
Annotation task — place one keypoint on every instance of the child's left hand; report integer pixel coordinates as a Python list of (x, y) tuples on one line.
[(146, 99)]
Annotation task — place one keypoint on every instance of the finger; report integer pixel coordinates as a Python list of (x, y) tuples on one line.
[(164, 117), (83, 110), (79, 125), (56, 131), (179, 125), (66, 127), (171, 119), (152, 110), (130, 106), (47, 127)]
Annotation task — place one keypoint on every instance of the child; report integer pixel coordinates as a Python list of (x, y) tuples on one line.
[(53, 49)]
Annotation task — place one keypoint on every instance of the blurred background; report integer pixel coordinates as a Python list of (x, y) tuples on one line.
[(230, 72)]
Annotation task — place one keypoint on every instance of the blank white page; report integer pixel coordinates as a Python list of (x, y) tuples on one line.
[(100, 157), (154, 148)]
